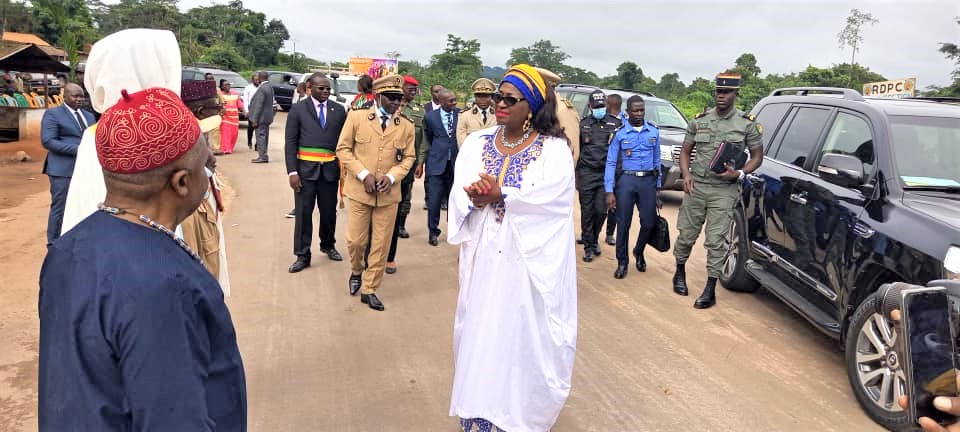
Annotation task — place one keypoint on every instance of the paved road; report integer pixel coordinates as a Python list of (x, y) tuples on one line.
[(318, 360)]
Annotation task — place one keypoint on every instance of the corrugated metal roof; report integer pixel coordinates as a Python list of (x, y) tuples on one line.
[(26, 38)]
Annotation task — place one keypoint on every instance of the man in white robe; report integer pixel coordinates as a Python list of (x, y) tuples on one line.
[(131, 60), (516, 323)]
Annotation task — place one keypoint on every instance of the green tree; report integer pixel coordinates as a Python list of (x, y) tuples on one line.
[(456, 67), (543, 54), (746, 65), (18, 16), (670, 87), (952, 52), (852, 34), (225, 55), (55, 18), (629, 75), (155, 14)]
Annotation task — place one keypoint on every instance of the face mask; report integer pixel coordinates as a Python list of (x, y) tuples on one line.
[(599, 113)]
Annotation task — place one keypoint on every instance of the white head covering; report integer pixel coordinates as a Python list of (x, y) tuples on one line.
[(132, 59)]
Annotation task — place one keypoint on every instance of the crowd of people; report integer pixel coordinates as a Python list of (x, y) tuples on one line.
[(135, 333)]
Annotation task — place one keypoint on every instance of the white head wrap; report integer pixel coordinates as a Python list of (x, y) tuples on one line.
[(131, 60)]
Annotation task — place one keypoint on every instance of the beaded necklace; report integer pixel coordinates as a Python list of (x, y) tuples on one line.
[(153, 224)]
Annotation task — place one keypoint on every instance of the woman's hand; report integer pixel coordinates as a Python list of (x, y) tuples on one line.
[(484, 191)]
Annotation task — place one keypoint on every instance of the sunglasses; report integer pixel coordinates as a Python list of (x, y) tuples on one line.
[(393, 97), (508, 100), (322, 88)]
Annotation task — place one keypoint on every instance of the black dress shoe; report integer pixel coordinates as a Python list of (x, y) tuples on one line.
[(611, 240), (443, 206), (258, 160), (580, 241), (355, 282), (641, 266), (402, 233), (596, 250), (333, 254), (300, 264), (621, 271), (390, 270), (588, 255), (433, 240), (372, 301), (680, 281)]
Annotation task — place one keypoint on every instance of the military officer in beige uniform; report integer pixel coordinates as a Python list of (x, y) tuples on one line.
[(481, 116), (566, 113), (710, 197), (376, 149)]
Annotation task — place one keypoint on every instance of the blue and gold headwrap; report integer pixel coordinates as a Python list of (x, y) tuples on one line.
[(528, 80)]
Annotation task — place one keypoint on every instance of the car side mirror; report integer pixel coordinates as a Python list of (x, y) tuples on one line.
[(334, 75), (841, 170)]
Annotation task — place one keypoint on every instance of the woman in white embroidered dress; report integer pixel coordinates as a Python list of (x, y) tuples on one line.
[(511, 212)]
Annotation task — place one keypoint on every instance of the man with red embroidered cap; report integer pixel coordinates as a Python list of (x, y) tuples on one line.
[(134, 332)]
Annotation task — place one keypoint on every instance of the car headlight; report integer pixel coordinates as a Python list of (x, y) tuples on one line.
[(951, 263), (666, 153)]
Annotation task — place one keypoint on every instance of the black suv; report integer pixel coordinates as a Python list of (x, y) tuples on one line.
[(853, 193), (661, 112), (284, 87)]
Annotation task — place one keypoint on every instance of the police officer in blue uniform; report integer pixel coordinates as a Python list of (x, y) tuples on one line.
[(637, 147), (596, 132)]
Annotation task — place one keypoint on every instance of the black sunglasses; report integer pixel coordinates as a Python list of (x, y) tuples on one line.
[(393, 97), (508, 100), (322, 88)]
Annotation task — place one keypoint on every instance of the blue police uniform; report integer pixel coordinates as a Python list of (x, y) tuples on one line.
[(638, 151)]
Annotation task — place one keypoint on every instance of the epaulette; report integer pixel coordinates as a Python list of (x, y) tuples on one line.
[(700, 114), (749, 116), (400, 114)]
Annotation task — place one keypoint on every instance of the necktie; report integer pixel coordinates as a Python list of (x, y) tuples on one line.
[(450, 124), (83, 125), (383, 123), (484, 116), (323, 116)]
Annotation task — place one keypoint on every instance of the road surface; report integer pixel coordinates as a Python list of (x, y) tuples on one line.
[(317, 359)]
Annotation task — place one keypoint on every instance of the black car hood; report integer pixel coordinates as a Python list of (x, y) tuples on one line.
[(940, 208)]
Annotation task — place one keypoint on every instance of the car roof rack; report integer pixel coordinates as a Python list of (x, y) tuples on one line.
[(848, 94)]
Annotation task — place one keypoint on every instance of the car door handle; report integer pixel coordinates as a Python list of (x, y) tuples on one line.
[(800, 198)]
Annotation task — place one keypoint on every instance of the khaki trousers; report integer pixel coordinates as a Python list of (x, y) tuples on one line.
[(373, 225), (201, 234)]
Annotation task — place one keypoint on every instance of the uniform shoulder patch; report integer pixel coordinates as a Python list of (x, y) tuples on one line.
[(399, 115), (700, 114), (371, 116), (749, 116)]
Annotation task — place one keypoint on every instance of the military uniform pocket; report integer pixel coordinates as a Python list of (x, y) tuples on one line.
[(702, 137)]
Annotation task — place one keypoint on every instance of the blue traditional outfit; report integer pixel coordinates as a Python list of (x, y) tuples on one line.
[(516, 321), (134, 332)]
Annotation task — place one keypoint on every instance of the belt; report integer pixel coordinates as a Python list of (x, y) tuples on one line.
[(314, 154), (640, 173)]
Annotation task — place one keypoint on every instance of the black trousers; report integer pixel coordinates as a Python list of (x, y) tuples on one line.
[(639, 192), (320, 194), (439, 190), (593, 205), (250, 131), (406, 191), (611, 222)]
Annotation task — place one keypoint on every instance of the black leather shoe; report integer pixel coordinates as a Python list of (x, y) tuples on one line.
[(333, 254), (580, 241), (402, 233), (258, 160), (709, 296), (433, 240), (300, 264), (621, 271), (680, 281), (355, 282), (641, 266), (389, 269), (372, 301), (443, 206), (588, 255), (596, 250), (611, 240)]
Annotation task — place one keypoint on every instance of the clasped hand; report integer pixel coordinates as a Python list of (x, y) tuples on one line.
[(484, 191), (373, 185)]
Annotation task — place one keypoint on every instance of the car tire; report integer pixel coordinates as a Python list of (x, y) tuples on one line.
[(734, 276), (868, 366)]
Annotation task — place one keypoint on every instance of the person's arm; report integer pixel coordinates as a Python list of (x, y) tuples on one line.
[(755, 144), (292, 139), (50, 136), (610, 170), (256, 106), (162, 345), (658, 162), (461, 128), (425, 144), (403, 168), (345, 146)]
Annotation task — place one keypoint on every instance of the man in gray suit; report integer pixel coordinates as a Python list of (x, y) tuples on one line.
[(261, 115), (61, 130)]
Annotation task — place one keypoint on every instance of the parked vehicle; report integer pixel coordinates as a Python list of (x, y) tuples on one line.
[(284, 87), (660, 112), (853, 193), (53, 83), (197, 73), (344, 87)]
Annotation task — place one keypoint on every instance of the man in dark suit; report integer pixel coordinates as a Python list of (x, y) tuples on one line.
[(438, 152), (61, 130), (312, 130), (431, 105), (261, 115)]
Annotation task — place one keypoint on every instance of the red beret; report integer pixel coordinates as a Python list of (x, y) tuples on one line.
[(407, 79), (145, 130)]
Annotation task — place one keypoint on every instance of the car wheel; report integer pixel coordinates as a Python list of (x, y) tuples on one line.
[(874, 368), (734, 276)]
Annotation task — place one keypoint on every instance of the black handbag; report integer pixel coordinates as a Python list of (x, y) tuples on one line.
[(660, 237)]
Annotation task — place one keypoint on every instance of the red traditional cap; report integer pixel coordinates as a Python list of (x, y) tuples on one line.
[(407, 79), (145, 130)]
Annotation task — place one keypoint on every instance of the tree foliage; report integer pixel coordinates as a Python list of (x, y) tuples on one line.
[(852, 34)]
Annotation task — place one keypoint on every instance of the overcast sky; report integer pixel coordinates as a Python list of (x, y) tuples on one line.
[(693, 38)]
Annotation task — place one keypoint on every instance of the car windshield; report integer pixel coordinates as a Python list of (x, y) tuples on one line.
[(927, 150), (662, 114), (347, 85), (283, 78), (236, 81)]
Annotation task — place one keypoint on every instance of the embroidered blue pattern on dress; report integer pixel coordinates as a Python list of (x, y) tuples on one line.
[(494, 161), (481, 425)]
